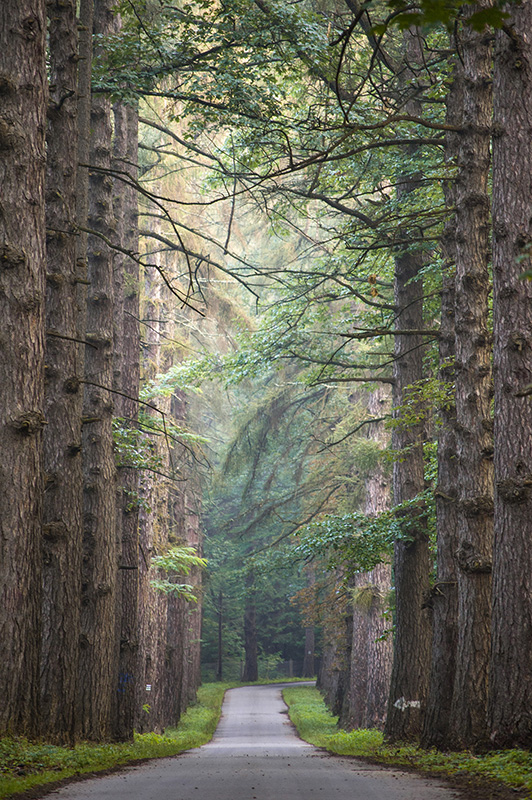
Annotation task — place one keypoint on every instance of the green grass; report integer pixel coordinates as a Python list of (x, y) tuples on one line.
[(25, 765), (268, 681), (316, 725)]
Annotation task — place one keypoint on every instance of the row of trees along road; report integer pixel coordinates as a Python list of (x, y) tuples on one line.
[(363, 135), (89, 647)]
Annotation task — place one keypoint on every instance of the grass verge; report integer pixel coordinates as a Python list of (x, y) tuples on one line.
[(25, 765), (315, 724)]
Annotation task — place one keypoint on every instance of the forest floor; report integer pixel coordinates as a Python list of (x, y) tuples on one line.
[(256, 753), (29, 769), (498, 775)]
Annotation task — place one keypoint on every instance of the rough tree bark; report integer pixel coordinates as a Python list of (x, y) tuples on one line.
[(510, 704), (337, 626), (474, 442), (412, 642), (126, 364), (86, 21), (152, 605), (62, 507), (193, 611), (161, 617), (174, 663), (371, 649), (365, 703), (22, 276), (409, 681), (182, 668), (444, 596), (98, 653)]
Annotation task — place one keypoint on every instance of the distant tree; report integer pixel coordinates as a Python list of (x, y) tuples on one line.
[(251, 663), (309, 658), (274, 475)]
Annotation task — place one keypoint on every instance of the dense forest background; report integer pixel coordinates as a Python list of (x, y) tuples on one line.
[(266, 359)]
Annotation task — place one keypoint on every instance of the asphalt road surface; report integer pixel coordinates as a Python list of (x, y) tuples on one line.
[(256, 755)]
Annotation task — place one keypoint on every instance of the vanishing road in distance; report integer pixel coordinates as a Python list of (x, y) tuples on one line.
[(256, 755)]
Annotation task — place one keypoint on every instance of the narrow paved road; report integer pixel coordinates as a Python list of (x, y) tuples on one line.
[(255, 755)]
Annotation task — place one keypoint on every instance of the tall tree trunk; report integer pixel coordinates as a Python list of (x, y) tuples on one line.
[(380, 643), (220, 660), (510, 702), (380, 650), (309, 670), (175, 664), (86, 22), (176, 667), (193, 611), (62, 509), (22, 288), (98, 656), (126, 383), (371, 651), (444, 596), (474, 443), (309, 658), (152, 605), (409, 681), (412, 642), (160, 616), (251, 667), (337, 627), (353, 713)]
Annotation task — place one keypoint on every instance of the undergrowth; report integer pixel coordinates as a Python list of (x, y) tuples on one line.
[(315, 724), (24, 764)]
